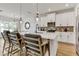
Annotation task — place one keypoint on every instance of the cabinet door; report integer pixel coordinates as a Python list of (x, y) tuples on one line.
[(71, 20), (65, 19), (58, 20), (71, 37), (44, 21), (51, 17), (60, 37), (61, 20), (64, 37)]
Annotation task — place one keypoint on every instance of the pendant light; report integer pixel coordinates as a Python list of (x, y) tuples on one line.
[(37, 13), (37, 17), (20, 13), (20, 19)]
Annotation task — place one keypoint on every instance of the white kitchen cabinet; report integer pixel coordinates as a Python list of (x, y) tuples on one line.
[(67, 37), (59, 36), (64, 37), (45, 19), (51, 17), (71, 19), (65, 19), (71, 37), (43, 22), (60, 20)]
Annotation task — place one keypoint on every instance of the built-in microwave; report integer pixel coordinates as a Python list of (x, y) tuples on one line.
[(51, 27)]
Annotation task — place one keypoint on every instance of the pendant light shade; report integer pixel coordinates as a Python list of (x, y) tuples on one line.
[(20, 13), (37, 14), (37, 17), (20, 19)]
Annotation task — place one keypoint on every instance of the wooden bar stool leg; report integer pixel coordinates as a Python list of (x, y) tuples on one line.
[(20, 51), (49, 47), (8, 50), (44, 50), (26, 51), (11, 49), (4, 47)]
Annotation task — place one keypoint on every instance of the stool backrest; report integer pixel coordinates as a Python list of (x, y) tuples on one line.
[(5, 35), (33, 44), (15, 38)]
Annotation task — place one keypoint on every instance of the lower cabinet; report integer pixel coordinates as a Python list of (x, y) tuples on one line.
[(71, 37), (68, 37)]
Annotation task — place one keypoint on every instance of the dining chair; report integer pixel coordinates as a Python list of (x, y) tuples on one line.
[(7, 44), (17, 43), (34, 45)]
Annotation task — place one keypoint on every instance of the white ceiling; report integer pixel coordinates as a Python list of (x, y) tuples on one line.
[(29, 9)]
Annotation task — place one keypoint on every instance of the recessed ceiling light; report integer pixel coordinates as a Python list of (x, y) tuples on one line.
[(67, 5)]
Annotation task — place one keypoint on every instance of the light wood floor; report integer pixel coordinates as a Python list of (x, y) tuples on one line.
[(1, 46), (63, 49)]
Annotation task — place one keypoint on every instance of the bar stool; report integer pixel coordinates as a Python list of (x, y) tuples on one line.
[(6, 42), (34, 45), (17, 42)]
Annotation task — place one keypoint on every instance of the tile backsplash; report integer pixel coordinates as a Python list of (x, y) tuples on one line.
[(65, 28), (59, 28)]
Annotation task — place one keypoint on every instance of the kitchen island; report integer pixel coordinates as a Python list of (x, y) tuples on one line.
[(52, 38)]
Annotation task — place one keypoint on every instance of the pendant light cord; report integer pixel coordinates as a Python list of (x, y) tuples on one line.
[(37, 13), (37, 7), (20, 10)]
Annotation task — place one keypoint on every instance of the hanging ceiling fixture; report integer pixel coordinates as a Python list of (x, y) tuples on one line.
[(37, 13), (20, 13)]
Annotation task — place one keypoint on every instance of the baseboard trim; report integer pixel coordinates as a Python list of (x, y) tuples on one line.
[(66, 43)]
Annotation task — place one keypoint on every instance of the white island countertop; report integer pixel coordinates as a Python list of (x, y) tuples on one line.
[(47, 35)]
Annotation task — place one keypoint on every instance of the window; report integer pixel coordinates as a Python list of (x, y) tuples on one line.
[(8, 25)]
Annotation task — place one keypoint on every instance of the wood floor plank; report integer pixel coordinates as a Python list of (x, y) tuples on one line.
[(65, 49)]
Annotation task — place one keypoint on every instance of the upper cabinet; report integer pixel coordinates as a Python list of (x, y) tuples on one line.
[(45, 19), (65, 19), (61, 19), (51, 17)]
